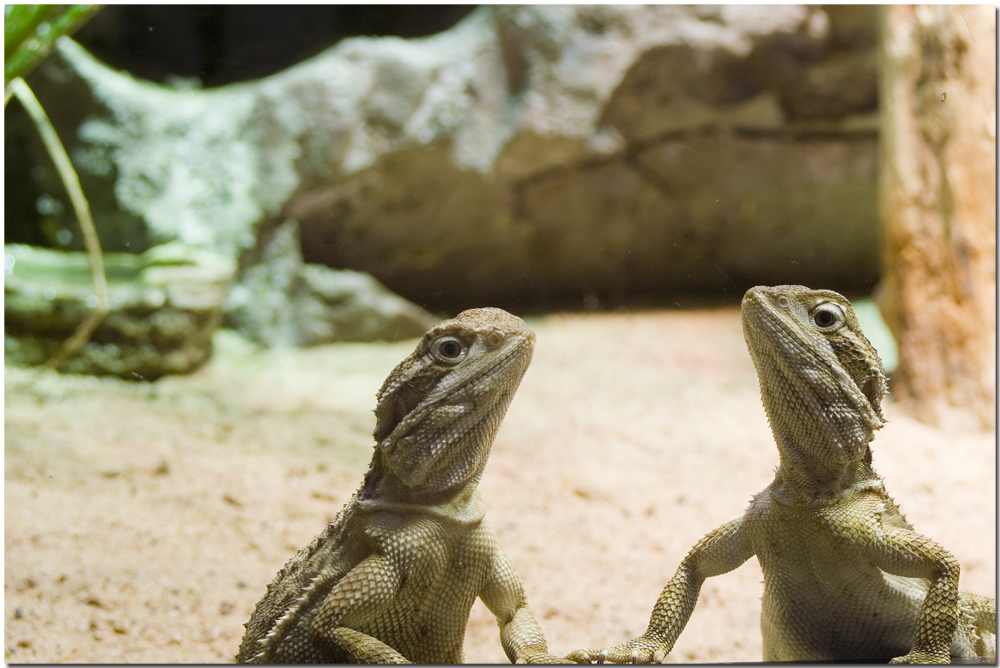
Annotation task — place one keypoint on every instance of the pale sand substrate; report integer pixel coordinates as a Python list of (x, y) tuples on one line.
[(143, 521)]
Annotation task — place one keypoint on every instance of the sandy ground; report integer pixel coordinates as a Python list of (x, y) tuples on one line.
[(143, 521)]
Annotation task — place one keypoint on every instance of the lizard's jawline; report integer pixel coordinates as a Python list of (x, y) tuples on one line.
[(420, 411), (469, 467)]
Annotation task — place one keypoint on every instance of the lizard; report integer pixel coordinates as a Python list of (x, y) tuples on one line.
[(846, 576), (393, 577)]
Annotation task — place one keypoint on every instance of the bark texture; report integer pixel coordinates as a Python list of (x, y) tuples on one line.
[(938, 208)]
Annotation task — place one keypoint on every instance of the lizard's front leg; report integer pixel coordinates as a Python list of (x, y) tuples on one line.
[(721, 551), (361, 594), (520, 635), (910, 554)]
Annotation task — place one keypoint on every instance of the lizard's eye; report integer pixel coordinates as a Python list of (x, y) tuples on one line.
[(828, 316), (448, 349)]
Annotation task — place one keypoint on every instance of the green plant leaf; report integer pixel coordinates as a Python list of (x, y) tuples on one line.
[(30, 31)]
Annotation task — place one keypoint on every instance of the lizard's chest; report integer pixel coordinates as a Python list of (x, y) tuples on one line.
[(797, 542), (823, 598), (441, 567), (437, 560)]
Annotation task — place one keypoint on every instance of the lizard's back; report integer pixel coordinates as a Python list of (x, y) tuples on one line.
[(324, 555)]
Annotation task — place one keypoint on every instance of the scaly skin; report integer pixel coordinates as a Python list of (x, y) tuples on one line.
[(392, 579), (846, 577)]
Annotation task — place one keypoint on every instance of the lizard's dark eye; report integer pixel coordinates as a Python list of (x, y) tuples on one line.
[(824, 318), (448, 349), (827, 316)]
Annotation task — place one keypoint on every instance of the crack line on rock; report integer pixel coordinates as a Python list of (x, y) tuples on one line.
[(630, 151)]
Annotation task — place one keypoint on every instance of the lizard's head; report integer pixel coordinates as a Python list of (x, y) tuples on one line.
[(821, 379), (439, 410)]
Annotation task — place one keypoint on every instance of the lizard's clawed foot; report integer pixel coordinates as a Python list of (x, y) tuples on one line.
[(640, 650), (583, 655)]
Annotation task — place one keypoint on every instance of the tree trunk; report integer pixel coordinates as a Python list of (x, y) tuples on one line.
[(938, 208)]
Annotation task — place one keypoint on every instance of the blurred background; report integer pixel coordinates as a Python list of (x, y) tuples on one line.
[(539, 159)]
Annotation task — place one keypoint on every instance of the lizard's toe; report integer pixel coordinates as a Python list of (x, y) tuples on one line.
[(581, 655)]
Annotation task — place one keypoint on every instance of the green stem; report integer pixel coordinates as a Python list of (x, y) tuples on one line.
[(57, 152)]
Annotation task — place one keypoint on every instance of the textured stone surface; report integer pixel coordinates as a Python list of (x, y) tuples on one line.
[(533, 155), (280, 301), (165, 304)]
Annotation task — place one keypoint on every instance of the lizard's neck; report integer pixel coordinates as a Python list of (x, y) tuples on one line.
[(804, 478), (823, 446), (384, 490), (818, 463)]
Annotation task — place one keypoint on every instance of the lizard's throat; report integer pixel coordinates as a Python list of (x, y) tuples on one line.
[(822, 423), (821, 461), (384, 490)]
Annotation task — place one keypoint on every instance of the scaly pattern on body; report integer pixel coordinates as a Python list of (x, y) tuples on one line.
[(846, 577), (394, 576)]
